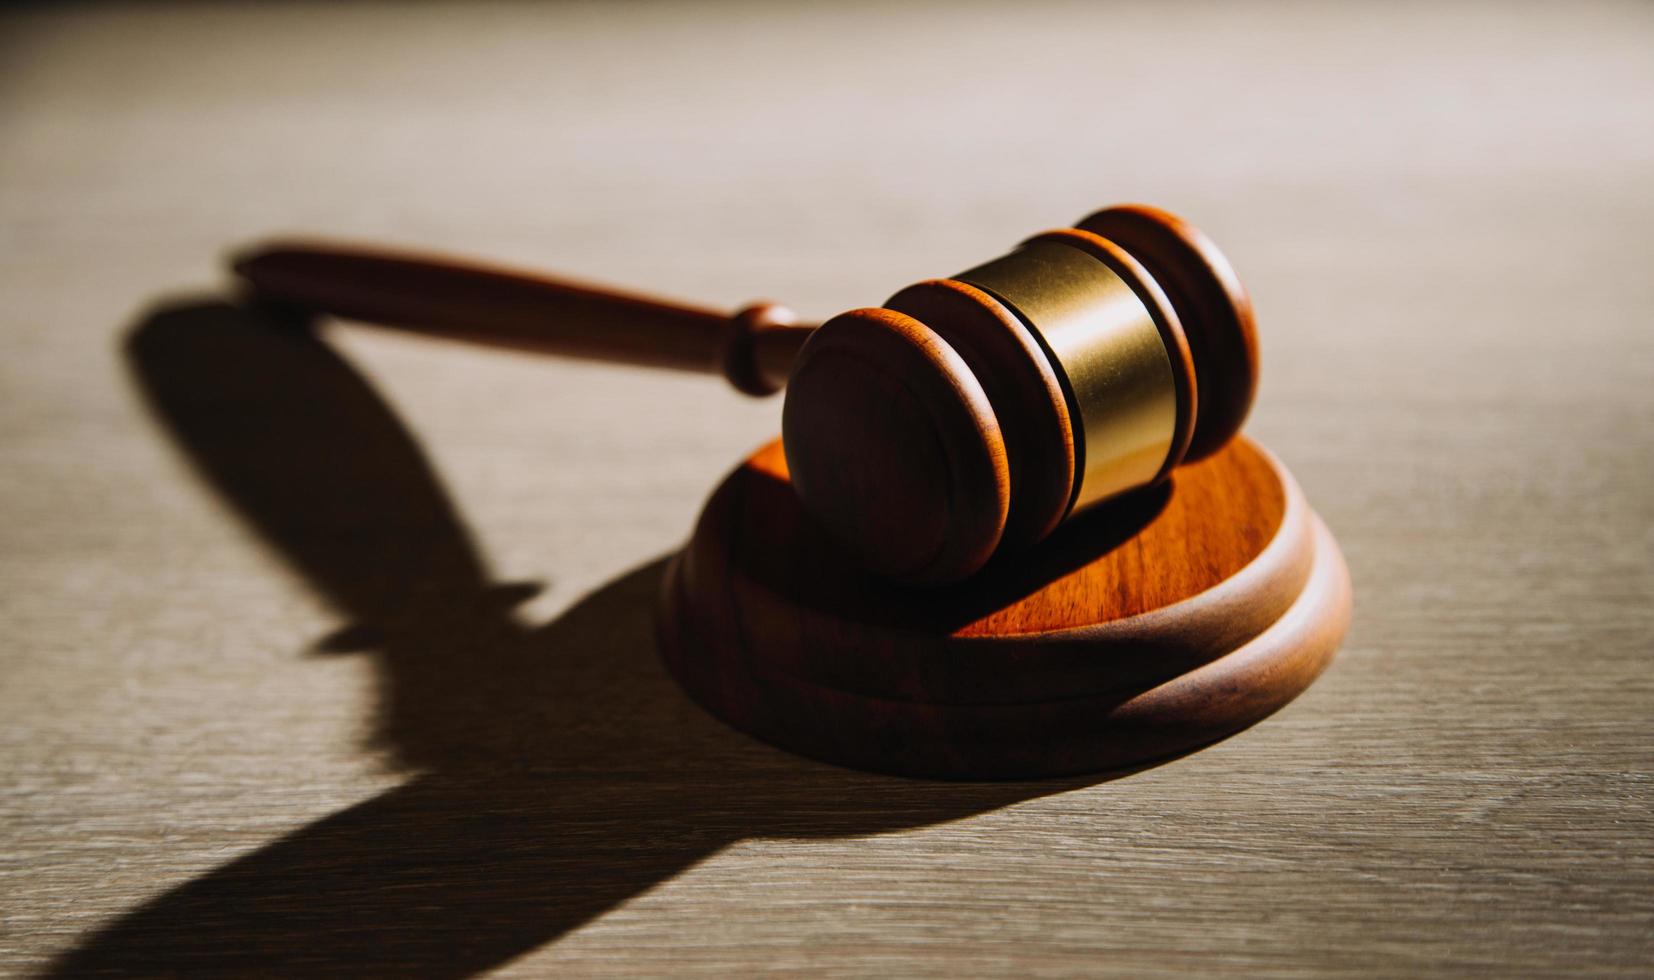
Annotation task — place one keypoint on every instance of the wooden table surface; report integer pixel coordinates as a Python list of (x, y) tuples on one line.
[(266, 702)]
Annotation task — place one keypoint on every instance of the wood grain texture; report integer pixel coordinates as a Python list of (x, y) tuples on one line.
[(1156, 626), (1441, 211)]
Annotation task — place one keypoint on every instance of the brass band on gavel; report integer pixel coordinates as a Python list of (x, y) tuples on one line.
[(1108, 351)]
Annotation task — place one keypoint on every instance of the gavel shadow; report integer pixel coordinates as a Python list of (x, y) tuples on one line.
[(556, 771)]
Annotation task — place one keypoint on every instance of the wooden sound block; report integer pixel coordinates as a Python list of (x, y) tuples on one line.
[(1142, 629)]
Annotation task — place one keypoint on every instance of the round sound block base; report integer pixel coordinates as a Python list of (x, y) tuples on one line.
[(1140, 630)]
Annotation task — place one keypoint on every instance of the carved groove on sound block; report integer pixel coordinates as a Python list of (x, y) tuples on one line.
[(1147, 628)]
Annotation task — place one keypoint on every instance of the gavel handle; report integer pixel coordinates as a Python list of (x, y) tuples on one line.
[(753, 348)]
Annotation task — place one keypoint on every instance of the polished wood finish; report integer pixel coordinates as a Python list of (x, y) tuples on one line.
[(926, 487), (1006, 359), (460, 299), (1030, 401), (1147, 627)]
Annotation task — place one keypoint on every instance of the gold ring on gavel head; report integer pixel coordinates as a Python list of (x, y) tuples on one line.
[(1118, 349)]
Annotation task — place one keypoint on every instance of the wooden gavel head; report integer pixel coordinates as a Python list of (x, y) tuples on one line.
[(971, 415)]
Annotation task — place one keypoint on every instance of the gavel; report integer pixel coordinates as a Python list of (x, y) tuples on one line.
[(964, 418)]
